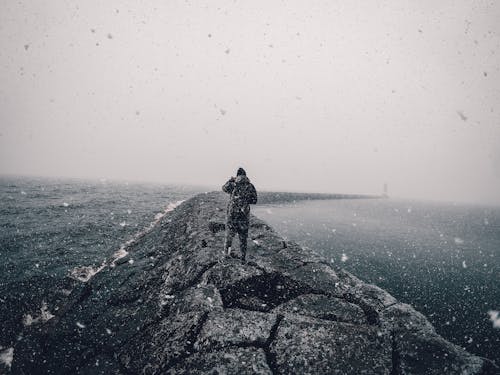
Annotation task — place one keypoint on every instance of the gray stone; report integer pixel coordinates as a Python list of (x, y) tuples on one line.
[(317, 276), (244, 361), (324, 307), (402, 317), (429, 354), (305, 347), (162, 345), (197, 298), (235, 327)]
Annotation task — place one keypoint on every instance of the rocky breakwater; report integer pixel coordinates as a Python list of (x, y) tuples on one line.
[(174, 305)]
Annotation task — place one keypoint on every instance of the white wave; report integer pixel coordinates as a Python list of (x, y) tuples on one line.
[(7, 356), (120, 253), (85, 273), (45, 315)]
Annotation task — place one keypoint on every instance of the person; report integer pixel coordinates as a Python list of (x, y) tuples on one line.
[(243, 194)]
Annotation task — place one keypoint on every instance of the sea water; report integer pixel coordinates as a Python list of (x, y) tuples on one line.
[(442, 258)]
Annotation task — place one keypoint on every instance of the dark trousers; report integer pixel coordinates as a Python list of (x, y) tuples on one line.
[(242, 232)]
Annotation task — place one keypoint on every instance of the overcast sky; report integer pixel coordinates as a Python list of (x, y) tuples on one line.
[(329, 96)]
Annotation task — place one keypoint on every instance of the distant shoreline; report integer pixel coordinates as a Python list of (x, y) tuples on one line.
[(266, 197)]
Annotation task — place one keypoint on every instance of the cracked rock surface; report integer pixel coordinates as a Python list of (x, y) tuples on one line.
[(175, 305)]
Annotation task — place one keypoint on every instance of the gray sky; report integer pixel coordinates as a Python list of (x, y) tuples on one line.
[(332, 96)]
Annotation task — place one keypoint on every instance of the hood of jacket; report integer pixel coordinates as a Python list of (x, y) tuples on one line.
[(242, 180)]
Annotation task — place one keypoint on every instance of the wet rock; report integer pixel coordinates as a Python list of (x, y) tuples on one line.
[(319, 277), (323, 307), (299, 255), (163, 344), (308, 347), (235, 327), (101, 365), (401, 317), (187, 269), (428, 353), (244, 361), (250, 288), (215, 227), (199, 298)]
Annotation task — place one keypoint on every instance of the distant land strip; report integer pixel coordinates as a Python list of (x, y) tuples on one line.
[(267, 197)]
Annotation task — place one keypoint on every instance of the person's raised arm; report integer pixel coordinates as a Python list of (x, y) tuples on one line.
[(228, 187)]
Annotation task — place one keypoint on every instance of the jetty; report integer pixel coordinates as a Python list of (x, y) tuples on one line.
[(173, 304)]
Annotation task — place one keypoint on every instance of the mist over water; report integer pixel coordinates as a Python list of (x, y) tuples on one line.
[(443, 259)]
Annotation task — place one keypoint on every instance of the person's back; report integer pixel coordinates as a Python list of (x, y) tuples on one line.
[(243, 194)]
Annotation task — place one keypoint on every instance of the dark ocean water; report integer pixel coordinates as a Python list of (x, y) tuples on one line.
[(49, 226), (444, 259)]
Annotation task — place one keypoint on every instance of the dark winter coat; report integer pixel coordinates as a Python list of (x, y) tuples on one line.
[(243, 194)]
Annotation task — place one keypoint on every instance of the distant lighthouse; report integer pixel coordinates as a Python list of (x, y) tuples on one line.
[(385, 194)]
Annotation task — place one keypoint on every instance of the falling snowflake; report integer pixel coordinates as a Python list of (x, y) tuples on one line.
[(7, 356), (462, 116), (344, 258), (495, 318)]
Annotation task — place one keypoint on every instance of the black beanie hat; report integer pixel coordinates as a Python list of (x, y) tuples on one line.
[(241, 172)]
